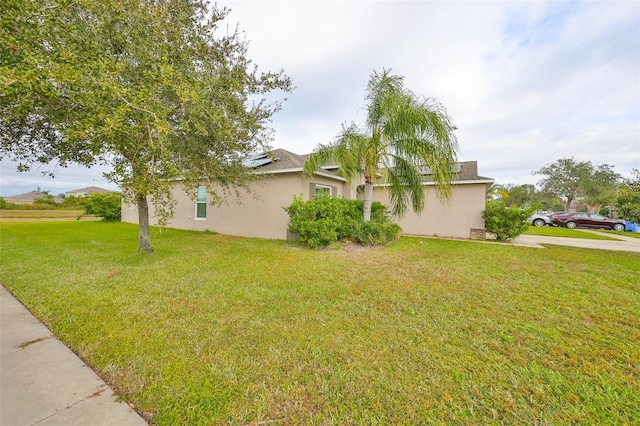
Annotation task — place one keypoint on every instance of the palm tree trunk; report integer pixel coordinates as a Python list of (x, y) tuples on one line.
[(144, 241), (367, 200)]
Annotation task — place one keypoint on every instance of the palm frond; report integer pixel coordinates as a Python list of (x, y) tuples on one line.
[(406, 185), (422, 133), (403, 135), (345, 152), (381, 86)]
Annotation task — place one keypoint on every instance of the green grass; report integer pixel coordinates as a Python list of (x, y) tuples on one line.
[(556, 231), (623, 233), (215, 329)]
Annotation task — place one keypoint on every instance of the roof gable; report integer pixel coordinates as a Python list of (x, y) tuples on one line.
[(88, 189), (30, 196)]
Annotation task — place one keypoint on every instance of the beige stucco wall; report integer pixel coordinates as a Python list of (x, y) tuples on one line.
[(258, 214), (453, 218)]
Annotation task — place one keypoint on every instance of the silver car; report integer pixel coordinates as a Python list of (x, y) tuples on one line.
[(538, 219)]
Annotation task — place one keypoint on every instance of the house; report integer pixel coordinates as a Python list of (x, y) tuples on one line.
[(28, 198), (83, 192), (261, 214), (460, 216)]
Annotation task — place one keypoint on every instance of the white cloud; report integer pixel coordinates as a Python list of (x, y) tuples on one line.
[(66, 179), (526, 83)]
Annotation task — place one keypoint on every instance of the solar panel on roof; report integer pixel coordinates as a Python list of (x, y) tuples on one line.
[(257, 156), (257, 163), (456, 168)]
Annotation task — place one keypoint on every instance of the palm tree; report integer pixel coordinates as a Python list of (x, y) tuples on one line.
[(403, 135)]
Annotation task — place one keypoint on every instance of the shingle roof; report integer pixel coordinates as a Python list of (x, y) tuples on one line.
[(30, 197), (88, 190), (468, 171), (283, 160)]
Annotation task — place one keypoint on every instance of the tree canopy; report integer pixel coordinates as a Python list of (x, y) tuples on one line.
[(525, 195), (403, 135), (628, 200), (571, 180), (149, 87)]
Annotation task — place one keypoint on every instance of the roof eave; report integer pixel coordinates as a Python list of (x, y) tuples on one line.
[(457, 182), (299, 170)]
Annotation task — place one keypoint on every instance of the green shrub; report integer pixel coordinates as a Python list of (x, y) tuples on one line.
[(72, 202), (628, 205), (107, 206), (38, 204), (324, 220), (376, 233), (505, 222), (45, 202), (320, 221), (628, 200)]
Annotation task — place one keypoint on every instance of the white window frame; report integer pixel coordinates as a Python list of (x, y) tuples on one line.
[(199, 202), (326, 190)]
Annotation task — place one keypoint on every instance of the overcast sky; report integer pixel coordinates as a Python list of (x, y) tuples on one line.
[(526, 83)]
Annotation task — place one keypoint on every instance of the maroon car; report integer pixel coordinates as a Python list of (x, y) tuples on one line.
[(587, 220)]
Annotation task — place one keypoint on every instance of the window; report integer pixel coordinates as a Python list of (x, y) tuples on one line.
[(322, 190), (316, 189), (201, 203)]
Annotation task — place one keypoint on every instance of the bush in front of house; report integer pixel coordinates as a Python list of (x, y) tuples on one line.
[(107, 206), (506, 223), (376, 233), (324, 220)]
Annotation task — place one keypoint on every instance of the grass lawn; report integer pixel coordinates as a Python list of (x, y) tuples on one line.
[(556, 231), (626, 234), (215, 329)]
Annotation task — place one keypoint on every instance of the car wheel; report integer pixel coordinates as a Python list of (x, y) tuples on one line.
[(538, 222), (618, 227), (571, 225)]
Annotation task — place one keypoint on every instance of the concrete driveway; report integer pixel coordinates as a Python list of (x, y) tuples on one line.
[(624, 243)]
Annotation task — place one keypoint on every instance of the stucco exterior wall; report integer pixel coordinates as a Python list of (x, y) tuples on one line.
[(453, 218), (259, 214)]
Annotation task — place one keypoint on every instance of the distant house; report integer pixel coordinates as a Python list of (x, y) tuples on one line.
[(28, 198), (261, 214), (82, 192)]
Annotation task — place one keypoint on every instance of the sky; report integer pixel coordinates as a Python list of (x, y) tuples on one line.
[(526, 83)]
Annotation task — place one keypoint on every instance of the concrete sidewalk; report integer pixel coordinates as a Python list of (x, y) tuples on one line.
[(623, 243), (43, 382)]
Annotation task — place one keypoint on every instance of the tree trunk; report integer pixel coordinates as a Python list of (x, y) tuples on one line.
[(367, 200), (569, 200), (144, 241)]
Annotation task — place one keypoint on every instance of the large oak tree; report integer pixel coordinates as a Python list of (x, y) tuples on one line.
[(156, 89), (572, 180)]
